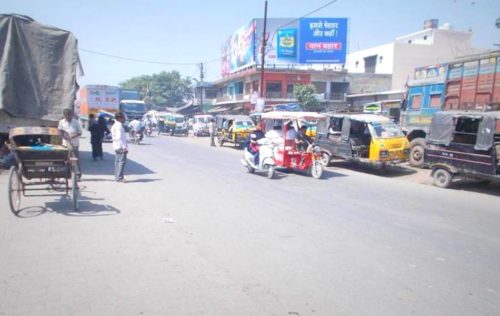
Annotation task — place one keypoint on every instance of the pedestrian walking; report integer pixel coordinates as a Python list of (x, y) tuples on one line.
[(212, 130), (71, 138), (120, 146), (97, 130)]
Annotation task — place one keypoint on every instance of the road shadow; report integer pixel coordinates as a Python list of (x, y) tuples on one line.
[(390, 171), (64, 206), (87, 207), (477, 187), (30, 211), (107, 165), (327, 174)]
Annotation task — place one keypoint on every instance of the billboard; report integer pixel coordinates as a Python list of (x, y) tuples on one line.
[(103, 97), (323, 40), (239, 49), (287, 44), (289, 41)]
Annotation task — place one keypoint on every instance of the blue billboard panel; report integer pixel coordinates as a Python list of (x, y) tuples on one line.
[(323, 40), (287, 44)]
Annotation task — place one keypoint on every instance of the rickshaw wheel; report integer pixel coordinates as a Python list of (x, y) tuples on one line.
[(442, 178), (326, 158), (250, 169), (74, 190), (221, 142), (270, 172), (14, 189), (317, 170)]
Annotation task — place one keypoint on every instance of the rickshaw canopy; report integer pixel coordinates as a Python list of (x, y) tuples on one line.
[(280, 115)]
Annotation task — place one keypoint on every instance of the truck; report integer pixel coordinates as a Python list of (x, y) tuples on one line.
[(469, 83), (97, 98), (133, 109), (93, 99), (39, 67)]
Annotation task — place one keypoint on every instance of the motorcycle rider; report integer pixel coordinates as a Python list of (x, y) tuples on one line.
[(135, 128), (253, 148)]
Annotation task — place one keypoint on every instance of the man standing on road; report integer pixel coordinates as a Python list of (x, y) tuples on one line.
[(71, 139), (211, 129), (120, 146)]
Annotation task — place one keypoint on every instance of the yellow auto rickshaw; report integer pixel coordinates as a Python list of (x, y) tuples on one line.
[(367, 138), (234, 129)]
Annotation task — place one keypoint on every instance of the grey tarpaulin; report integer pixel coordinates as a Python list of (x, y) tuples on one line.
[(39, 65), (485, 138), (441, 129)]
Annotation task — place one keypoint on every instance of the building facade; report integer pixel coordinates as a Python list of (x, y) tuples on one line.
[(431, 45)]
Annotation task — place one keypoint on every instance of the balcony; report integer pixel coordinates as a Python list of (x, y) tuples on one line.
[(336, 97), (232, 97)]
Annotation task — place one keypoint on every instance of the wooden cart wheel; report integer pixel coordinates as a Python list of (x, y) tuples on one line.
[(75, 194), (14, 189)]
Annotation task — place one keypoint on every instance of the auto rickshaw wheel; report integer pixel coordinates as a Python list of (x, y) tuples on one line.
[(326, 158), (75, 195), (417, 151), (271, 170), (317, 170), (14, 189), (442, 178)]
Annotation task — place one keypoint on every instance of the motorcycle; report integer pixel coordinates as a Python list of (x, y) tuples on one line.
[(137, 136), (266, 159)]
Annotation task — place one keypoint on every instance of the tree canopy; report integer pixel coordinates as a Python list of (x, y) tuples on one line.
[(162, 89), (306, 95)]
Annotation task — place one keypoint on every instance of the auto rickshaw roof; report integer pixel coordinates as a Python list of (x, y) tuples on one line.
[(292, 115), (476, 114), (235, 117), (367, 118)]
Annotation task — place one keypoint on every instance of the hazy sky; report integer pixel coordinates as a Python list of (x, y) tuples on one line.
[(192, 31)]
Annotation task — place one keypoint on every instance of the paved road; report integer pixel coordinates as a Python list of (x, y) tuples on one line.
[(192, 234)]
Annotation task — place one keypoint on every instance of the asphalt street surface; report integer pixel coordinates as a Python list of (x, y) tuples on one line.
[(191, 233)]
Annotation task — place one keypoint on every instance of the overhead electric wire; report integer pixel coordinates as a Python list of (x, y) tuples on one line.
[(197, 63), (137, 60), (288, 23)]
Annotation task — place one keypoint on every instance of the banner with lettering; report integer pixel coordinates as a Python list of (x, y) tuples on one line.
[(323, 40)]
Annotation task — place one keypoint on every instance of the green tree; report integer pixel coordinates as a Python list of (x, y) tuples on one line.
[(162, 89), (305, 94)]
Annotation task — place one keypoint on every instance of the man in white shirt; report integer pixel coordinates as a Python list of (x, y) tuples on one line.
[(291, 133), (71, 138), (120, 146), (135, 128)]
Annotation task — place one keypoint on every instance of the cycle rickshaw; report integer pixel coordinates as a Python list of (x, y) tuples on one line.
[(43, 164)]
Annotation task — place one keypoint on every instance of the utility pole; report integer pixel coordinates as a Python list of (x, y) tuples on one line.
[(263, 52), (201, 87)]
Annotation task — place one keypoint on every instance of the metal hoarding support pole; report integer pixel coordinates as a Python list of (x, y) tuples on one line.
[(263, 52)]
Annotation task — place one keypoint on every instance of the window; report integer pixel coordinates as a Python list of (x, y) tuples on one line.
[(380, 59), (435, 101), (425, 37), (416, 102), (370, 64), (466, 130), (357, 64), (409, 41)]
